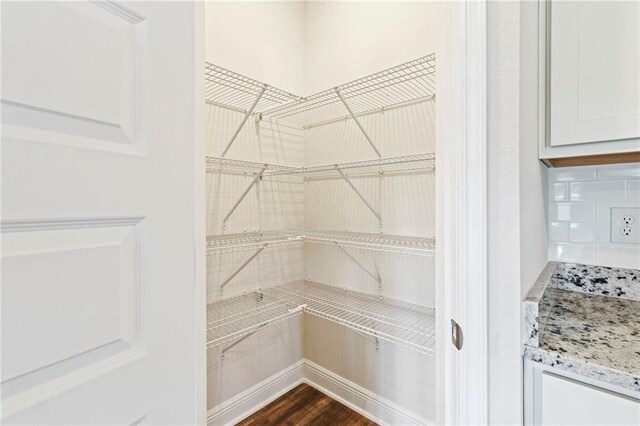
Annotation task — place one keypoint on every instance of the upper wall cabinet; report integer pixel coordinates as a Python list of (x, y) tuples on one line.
[(590, 69)]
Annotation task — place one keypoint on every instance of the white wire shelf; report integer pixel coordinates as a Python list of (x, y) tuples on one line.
[(405, 83), (378, 242), (226, 165), (405, 324), (422, 161), (402, 163), (234, 319), (232, 243), (402, 85), (236, 92)]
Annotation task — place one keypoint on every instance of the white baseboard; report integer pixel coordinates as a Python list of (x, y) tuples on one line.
[(354, 396), (359, 399), (248, 402)]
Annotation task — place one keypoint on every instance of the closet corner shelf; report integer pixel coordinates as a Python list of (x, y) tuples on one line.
[(405, 324), (227, 165), (413, 81), (407, 83), (422, 161), (378, 242), (232, 243), (234, 91), (232, 320)]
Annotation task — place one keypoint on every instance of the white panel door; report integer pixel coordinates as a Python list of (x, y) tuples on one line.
[(594, 71), (98, 234)]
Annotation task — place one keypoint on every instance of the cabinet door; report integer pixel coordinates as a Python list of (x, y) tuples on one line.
[(594, 71), (567, 402)]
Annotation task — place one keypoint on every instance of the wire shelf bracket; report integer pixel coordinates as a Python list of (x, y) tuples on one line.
[(243, 338), (355, 118), (360, 195), (364, 268), (241, 267), (244, 194), (244, 120), (299, 309)]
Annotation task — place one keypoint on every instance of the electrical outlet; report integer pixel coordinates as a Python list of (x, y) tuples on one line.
[(624, 225)]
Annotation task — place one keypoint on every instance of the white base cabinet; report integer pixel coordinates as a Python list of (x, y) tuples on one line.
[(555, 397)]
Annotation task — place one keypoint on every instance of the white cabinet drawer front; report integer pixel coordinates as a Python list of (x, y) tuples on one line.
[(567, 402)]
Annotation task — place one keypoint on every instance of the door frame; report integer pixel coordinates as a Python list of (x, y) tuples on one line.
[(200, 227), (461, 376), (461, 231)]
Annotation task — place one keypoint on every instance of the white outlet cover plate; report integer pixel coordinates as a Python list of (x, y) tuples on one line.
[(617, 224)]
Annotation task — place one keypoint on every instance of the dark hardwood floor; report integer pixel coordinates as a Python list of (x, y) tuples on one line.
[(305, 405)]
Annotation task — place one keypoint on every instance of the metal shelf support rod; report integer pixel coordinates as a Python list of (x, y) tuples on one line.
[(244, 194), (241, 267), (243, 338), (364, 200), (364, 132), (372, 339), (244, 120), (261, 326), (377, 110), (357, 262)]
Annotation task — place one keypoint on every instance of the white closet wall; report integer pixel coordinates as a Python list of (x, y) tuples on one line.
[(348, 40), (265, 40)]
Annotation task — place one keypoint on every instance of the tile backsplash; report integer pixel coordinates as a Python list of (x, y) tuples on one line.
[(580, 202)]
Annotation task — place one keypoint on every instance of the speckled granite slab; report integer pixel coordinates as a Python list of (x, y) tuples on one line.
[(594, 335), (537, 305), (590, 279)]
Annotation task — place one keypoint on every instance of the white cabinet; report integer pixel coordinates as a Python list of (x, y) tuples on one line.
[(590, 85), (554, 397)]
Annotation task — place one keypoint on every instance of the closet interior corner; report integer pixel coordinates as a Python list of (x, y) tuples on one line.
[(320, 241)]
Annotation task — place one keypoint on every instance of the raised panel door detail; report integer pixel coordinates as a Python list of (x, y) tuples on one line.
[(74, 71), (594, 71), (69, 299)]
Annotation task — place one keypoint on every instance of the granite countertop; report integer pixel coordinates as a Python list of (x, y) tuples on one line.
[(589, 329)]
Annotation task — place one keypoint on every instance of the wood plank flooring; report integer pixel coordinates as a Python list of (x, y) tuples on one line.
[(305, 405)]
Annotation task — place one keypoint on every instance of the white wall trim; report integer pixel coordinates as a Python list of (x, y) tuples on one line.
[(251, 400), (359, 399), (461, 182)]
